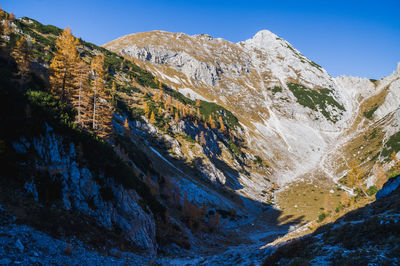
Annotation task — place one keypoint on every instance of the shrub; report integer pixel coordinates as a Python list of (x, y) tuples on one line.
[(372, 190), (322, 217)]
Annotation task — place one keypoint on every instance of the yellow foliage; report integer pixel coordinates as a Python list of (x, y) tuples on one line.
[(63, 69), (152, 118), (22, 57)]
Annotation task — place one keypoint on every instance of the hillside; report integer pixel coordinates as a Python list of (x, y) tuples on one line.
[(161, 180), (369, 235), (174, 149), (290, 108)]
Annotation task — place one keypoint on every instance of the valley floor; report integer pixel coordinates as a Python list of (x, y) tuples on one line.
[(240, 245)]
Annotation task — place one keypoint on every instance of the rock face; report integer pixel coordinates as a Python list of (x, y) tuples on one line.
[(81, 191), (282, 122)]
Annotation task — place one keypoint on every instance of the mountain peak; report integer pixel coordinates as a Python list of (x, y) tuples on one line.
[(265, 39), (265, 34)]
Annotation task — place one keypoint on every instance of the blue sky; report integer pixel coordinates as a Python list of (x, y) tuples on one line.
[(359, 38)]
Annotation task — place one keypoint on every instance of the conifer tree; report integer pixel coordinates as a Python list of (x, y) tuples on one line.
[(146, 110), (176, 117), (221, 124), (354, 176), (101, 110), (11, 17), (198, 103), (81, 95), (63, 67), (22, 58), (152, 118), (113, 89), (212, 122)]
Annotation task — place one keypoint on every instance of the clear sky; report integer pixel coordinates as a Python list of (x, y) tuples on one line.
[(351, 37)]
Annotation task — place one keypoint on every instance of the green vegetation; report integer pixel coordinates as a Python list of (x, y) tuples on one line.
[(317, 100), (186, 137), (392, 145), (104, 161), (312, 63), (370, 113), (44, 29), (234, 149), (215, 110), (322, 217), (258, 160), (132, 113), (372, 190), (275, 89)]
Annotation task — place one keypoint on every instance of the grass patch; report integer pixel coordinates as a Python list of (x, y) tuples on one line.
[(392, 145), (372, 190), (317, 100), (275, 89), (368, 114)]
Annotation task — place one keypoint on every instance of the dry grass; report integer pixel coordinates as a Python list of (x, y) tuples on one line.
[(309, 200)]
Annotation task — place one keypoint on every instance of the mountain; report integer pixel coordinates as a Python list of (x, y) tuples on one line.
[(289, 108), (207, 149)]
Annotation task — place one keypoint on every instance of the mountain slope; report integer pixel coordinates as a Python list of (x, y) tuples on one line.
[(369, 235), (151, 186), (289, 107)]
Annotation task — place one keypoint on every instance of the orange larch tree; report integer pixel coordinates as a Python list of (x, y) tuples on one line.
[(63, 67)]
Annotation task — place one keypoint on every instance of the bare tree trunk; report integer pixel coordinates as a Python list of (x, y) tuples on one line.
[(94, 104), (79, 100)]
